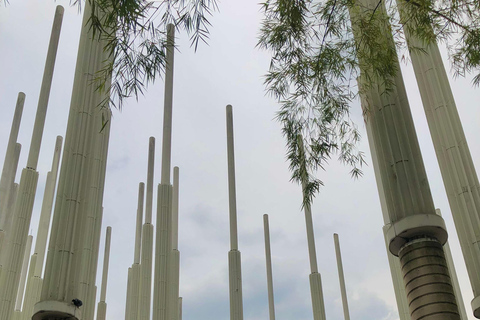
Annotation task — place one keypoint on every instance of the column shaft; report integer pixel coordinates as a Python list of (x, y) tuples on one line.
[(268, 258), (9, 169), (78, 209), (341, 277)]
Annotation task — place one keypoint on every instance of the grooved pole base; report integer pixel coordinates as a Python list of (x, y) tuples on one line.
[(427, 281)]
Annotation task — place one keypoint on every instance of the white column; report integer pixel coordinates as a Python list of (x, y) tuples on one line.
[(453, 276), (341, 277), (316, 291), (9, 203), (145, 289), (69, 271), (133, 272), (102, 305), (416, 232), (234, 257), (17, 237), (180, 301), (23, 275), (173, 280), (268, 258), (455, 161), (163, 241), (8, 172)]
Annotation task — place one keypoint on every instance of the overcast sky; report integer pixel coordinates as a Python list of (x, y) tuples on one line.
[(227, 71)]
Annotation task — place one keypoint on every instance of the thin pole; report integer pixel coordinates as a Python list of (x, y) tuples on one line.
[(343, 289), (268, 255)]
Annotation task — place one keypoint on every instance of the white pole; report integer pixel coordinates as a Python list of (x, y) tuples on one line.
[(341, 277), (163, 242), (145, 289), (234, 257), (268, 256), (316, 290), (8, 172), (102, 306), (16, 239), (23, 276)]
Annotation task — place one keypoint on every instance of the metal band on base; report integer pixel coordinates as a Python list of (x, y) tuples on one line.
[(410, 227)]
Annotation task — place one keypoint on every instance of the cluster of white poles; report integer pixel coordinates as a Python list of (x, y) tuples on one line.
[(424, 276), (24, 284)]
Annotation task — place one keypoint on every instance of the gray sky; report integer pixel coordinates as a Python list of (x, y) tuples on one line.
[(227, 71)]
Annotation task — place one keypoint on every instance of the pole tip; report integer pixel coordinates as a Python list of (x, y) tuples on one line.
[(59, 10)]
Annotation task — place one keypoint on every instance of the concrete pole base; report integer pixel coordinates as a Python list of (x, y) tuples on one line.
[(48, 310)]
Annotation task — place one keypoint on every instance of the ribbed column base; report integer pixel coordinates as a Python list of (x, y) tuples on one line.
[(427, 281), (317, 296)]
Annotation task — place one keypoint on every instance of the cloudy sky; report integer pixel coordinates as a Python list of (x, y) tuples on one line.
[(226, 71)]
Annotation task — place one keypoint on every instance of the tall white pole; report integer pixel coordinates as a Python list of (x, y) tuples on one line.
[(34, 281), (315, 278), (416, 234), (8, 174), (138, 225), (133, 285), (341, 277), (73, 247), (234, 257), (455, 161), (145, 289), (163, 242), (17, 237), (102, 305), (173, 281), (23, 276), (11, 197), (268, 257), (453, 276)]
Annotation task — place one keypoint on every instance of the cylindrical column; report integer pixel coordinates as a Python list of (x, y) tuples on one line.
[(318, 304), (73, 247), (23, 275), (150, 169), (231, 181), (106, 259), (180, 300), (8, 174), (145, 287), (102, 306), (45, 90), (168, 105), (46, 212), (341, 277), (163, 241), (145, 290), (455, 161), (138, 226), (268, 257), (11, 196), (234, 257), (399, 161), (173, 280)]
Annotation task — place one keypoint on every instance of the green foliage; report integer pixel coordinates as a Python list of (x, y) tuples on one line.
[(316, 61), (134, 34)]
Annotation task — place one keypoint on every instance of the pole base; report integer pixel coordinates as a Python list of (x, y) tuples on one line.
[(50, 310), (476, 306)]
